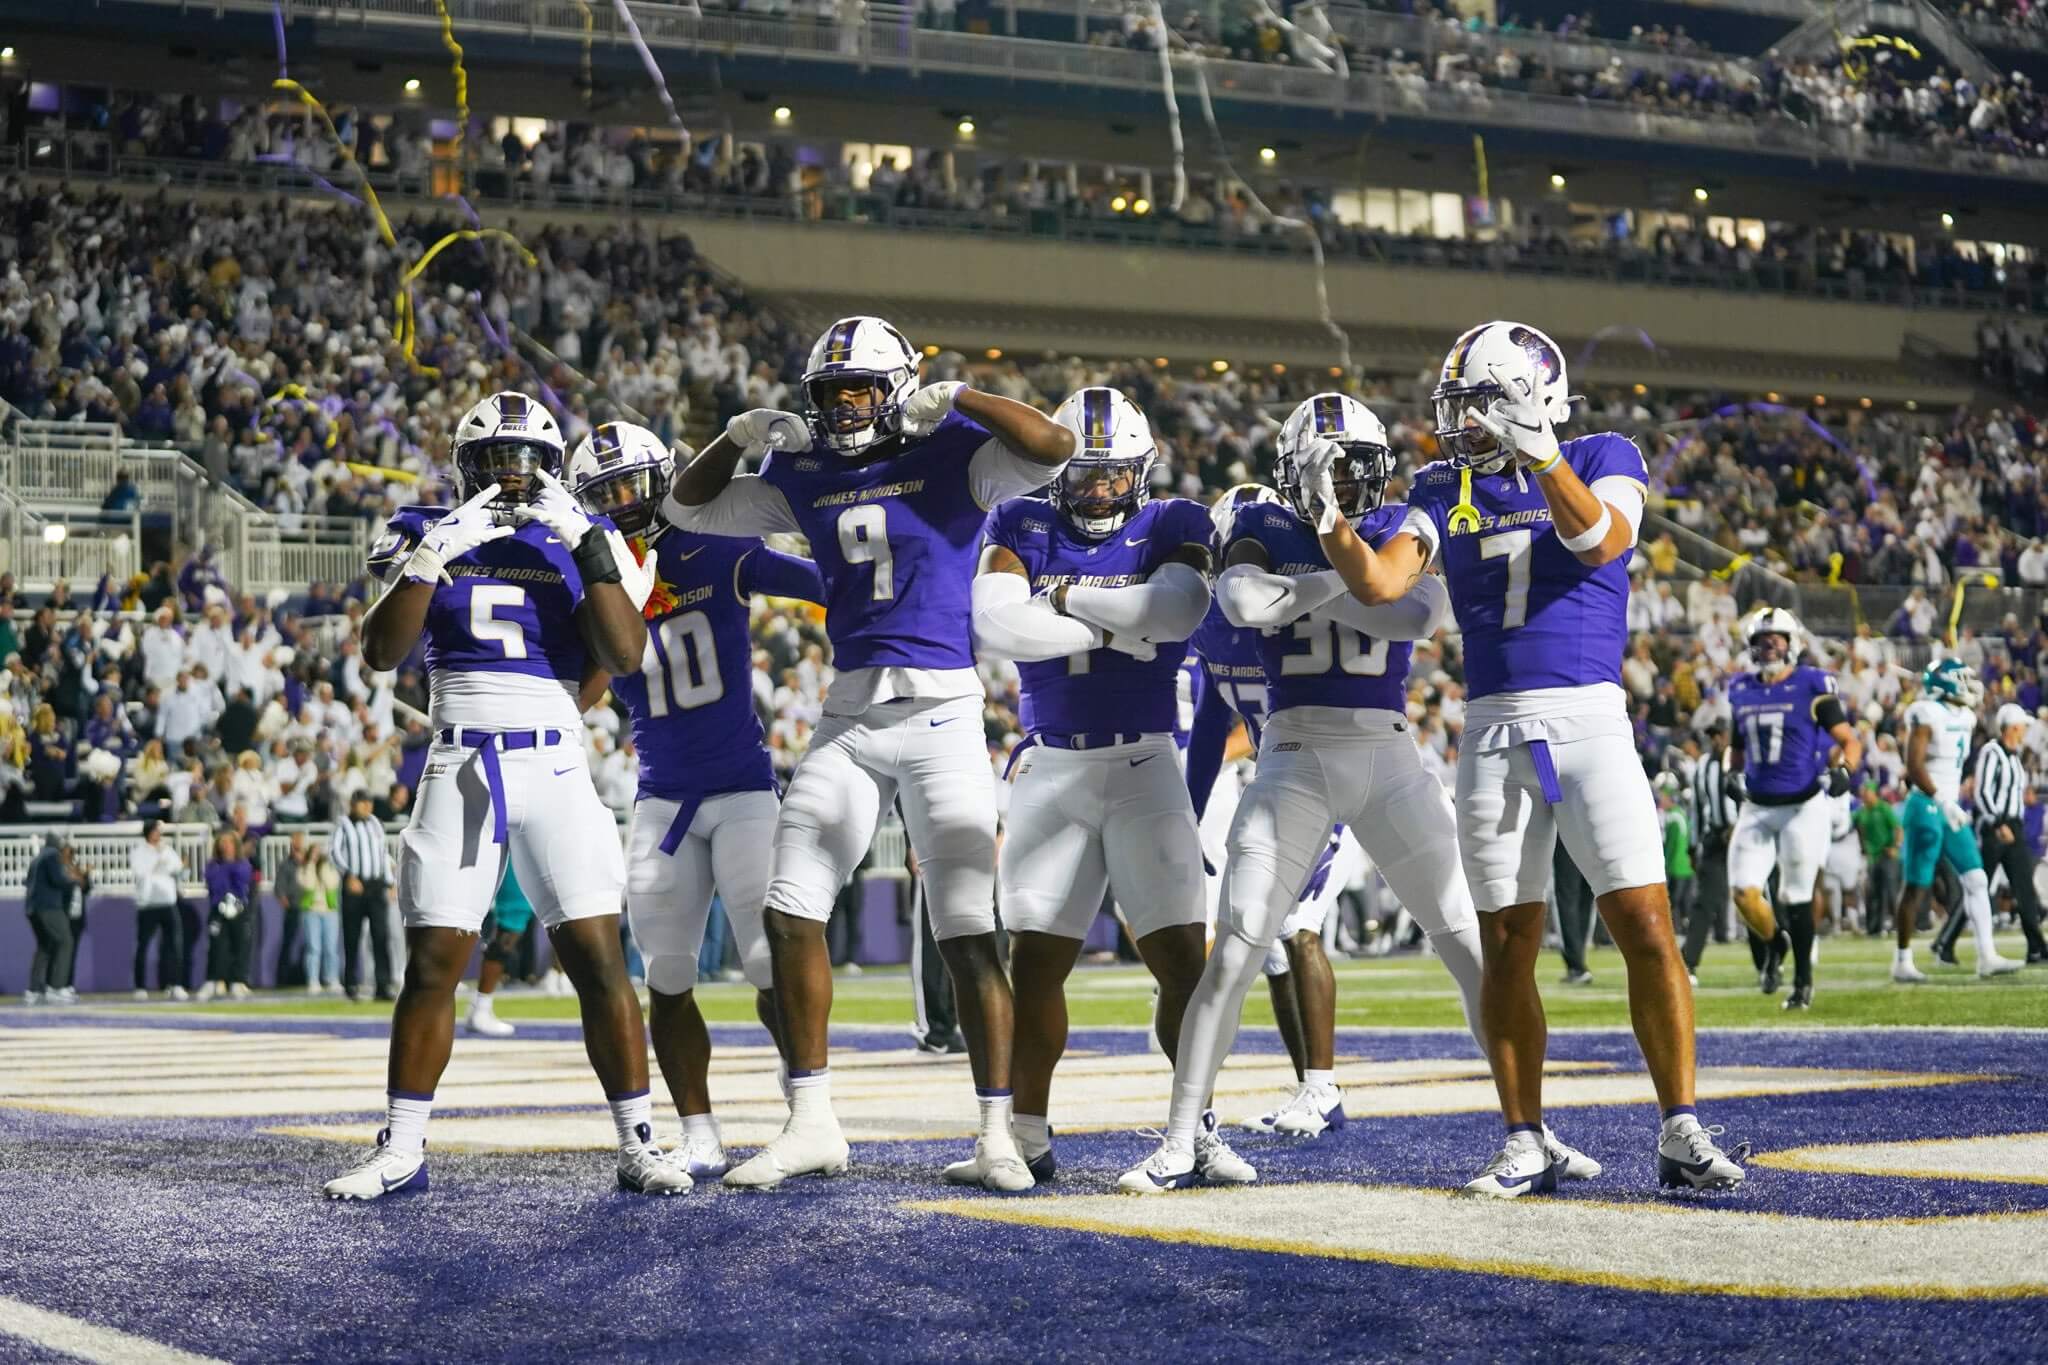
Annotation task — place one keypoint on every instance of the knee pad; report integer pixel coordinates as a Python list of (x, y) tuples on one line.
[(671, 973)]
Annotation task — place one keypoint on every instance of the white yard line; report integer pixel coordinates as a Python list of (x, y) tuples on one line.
[(88, 1341)]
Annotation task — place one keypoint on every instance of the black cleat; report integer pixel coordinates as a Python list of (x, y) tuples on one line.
[(1946, 957), (1801, 998)]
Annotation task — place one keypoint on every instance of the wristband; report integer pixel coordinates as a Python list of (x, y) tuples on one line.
[(1549, 465), (594, 562), (1592, 535), (424, 565)]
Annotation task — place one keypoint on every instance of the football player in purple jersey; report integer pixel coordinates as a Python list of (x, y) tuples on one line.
[(891, 483), (704, 817), (519, 594), (1534, 537), (1788, 717), (1094, 594), (1336, 749)]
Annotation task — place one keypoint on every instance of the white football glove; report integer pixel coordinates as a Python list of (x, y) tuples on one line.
[(1957, 817), (1520, 424), (635, 576), (1144, 651), (452, 537), (556, 508), (1319, 480), (924, 410), (764, 429)]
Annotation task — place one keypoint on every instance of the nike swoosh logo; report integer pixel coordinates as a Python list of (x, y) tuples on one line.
[(1139, 541), (570, 769), (1167, 1182), (1146, 759), (554, 540), (1694, 1167), (947, 721), (1509, 1182), (390, 1184), (692, 554)]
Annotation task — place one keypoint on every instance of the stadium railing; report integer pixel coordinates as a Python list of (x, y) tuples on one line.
[(105, 848), (900, 46)]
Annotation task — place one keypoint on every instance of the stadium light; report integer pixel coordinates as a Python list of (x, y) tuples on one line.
[(930, 351), (412, 87), (1336, 372), (1948, 220), (1912, 405), (965, 127), (1642, 389), (1219, 365), (1141, 207), (1556, 181), (1699, 193), (782, 114), (1160, 362), (53, 534), (6, 54), (1268, 155), (1820, 400), (1865, 402), (1771, 397), (1119, 204), (1278, 368), (994, 353)]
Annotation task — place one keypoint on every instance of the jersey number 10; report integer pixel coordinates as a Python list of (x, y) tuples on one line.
[(681, 664)]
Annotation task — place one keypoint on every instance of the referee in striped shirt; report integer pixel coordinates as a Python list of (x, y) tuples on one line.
[(1713, 820), (2001, 802), (357, 849)]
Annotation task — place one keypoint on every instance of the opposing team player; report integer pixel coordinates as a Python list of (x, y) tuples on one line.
[(1335, 750), (704, 817), (1534, 537), (518, 593), (891, 483), (1783, 712), (1939, 725), (1094, 595)]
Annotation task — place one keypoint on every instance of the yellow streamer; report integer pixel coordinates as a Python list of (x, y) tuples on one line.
[(306, 97), (462, 88), (1465, 516), (589, 83), (408, 328), (388, 473), (1732, 568), (1479, 162)]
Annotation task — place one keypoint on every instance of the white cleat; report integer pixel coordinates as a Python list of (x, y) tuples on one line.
[(1571, 1163), (645, 1169), (1214, 1160), (996, 1166), (703, 1156), (485, 1024), (1313, 1110), (1906, 973), (238, 991), (179, 993), (140, 994), (1690, 1160), (385, 1171), (1519, 1168), (205, 992), (803, 1147), (1170, 1167), (1995, 965)]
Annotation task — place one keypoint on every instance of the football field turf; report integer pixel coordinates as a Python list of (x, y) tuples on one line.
[(160, 1168)]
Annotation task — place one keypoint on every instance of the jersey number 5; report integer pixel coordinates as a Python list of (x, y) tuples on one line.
[(681, 664), (484, 625), (864, 539)]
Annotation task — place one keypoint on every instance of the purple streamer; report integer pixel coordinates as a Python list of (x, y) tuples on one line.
[(277, 22), (1614, 330)]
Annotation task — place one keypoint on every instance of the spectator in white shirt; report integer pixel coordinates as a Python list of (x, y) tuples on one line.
[(163, 651), (185, 712), (2033, 565), (210, 644), (155, 865)]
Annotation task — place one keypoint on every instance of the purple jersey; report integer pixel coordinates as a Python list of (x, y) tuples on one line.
[(1232, 663), (692, 702), (896, 542), (511, 608), (1783, 729), (1103, 689), (1317, 662), (1532, 615)]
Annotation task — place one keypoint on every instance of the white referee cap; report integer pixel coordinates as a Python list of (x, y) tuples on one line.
[(2010, 715)]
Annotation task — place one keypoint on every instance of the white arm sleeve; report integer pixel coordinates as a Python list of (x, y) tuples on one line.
[(1415, 615), (1011, 624), (1251, 596), (1167, 606), (1418, 524), (748, 506), (997, 473), (1625, 495)]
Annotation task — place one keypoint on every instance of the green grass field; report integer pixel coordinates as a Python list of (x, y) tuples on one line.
[(1853, 989)]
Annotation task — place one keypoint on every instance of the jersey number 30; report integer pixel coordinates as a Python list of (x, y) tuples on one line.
[(681, 664)]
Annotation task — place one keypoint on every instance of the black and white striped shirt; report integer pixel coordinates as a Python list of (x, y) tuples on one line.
[(357, 847), (2001, 786), (1713, 812)]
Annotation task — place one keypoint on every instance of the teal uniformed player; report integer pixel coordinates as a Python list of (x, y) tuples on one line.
[(511, 912)]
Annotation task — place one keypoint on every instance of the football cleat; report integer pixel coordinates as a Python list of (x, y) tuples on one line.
[(1994, 965), (1043, 1167), (645, 1169), (387, 1170), (1518, 1169), (809, 1146), (486, 1024), (1170, 1167), (179, 993), (1312, 1110), (1570, 1162), (1576, 978), (703, 1156), (1214, 1160), (1906, 973), (1801, 998), (1690, 1160), (995, 1166)]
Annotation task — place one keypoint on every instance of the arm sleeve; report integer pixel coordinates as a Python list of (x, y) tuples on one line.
[(1166, 607), (1625, 495), (774, 574), (748, 506), (1251, 596), (1011, 624), (1206, 740), (1415, 615), (997, 472), (1828, 712)]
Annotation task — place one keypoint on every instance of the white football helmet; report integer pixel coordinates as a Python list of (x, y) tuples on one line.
[(1763, 631), (1484, 365), (856, 358), (1109, 477), (503, 440), (1361, 478), (1223, 512), (621, 471)]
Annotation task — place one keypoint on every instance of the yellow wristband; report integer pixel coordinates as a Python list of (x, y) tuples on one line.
[(1548, 465)]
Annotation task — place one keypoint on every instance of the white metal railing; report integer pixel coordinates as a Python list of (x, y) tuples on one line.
[(105, 848)]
